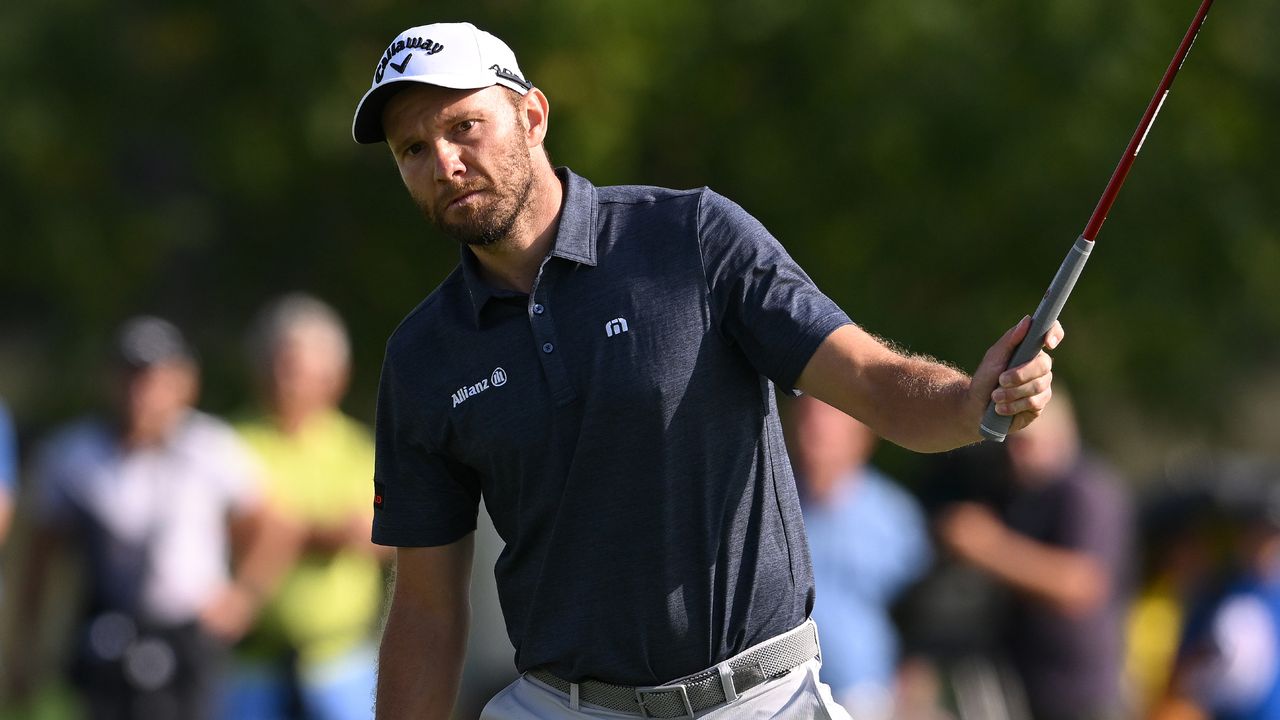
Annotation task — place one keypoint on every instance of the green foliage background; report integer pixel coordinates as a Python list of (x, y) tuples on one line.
[(929, 162)]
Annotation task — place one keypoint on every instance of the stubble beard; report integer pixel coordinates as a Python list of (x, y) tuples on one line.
[(508, 189)]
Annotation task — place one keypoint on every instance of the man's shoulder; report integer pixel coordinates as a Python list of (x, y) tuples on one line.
[(208, 433), (703, 211), (883, 486), (877, 493), (704, 202), (345, 431), (82, 441), (1094, 477), (648, 195)]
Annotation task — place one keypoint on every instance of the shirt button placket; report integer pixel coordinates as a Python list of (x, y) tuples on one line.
[(544, 334)]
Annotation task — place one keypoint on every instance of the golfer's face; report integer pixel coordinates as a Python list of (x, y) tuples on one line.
[(462, 153)]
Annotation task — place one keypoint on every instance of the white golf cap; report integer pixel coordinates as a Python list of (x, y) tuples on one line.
[(451, 55)]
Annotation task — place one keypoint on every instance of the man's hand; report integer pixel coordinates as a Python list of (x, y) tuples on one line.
[(1022, 391), (230, 613)]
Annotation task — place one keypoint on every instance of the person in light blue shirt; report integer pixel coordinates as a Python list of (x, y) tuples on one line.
[(868, 539)]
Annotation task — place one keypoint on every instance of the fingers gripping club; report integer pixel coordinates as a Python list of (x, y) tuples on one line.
[(995, 426)]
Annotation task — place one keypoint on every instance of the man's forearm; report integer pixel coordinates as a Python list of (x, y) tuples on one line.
[(420, 664), (1071, 581), (423, 644), (922, 404), (916, 402), (271, 545)]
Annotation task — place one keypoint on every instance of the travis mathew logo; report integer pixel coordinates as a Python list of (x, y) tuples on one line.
[(497, 378), (426, 45), (509, 75)]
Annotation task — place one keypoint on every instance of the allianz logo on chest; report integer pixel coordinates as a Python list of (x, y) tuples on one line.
[(497, 378)]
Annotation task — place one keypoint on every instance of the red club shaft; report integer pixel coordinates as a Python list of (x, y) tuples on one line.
[(1135, 144)]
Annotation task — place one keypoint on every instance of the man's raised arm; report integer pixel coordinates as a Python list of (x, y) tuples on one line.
[(920, 403), (423, 644)]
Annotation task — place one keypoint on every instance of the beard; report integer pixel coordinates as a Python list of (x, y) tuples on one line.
[(491, 219)]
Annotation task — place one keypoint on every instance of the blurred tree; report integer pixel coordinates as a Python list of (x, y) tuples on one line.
[(194, 159)]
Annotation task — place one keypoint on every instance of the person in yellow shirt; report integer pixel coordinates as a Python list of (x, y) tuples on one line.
[(312, 653)]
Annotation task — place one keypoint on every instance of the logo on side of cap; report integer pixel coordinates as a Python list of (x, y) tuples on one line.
[(427, 45), (510, 75)]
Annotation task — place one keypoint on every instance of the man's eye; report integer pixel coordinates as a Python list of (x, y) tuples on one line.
[(466, 125), (414, 149)]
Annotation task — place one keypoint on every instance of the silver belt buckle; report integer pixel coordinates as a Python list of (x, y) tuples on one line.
[(641, 692)]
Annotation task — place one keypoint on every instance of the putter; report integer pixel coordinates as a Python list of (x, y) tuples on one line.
[(995, 426)]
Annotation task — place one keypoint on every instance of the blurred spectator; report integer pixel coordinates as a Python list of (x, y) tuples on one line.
[(1228, 665), (1062, 545), (8, 484), (952, 619), (8, 472), (868, 539), (312, 654), (150, 499), (1180, 552)]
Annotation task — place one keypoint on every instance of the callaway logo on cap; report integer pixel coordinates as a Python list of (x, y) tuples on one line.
[(451, 55)]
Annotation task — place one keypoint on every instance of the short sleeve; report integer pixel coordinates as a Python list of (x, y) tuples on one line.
[(421, 497), (760, 298)]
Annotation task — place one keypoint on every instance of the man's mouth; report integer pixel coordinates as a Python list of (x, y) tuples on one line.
[(464, 199)]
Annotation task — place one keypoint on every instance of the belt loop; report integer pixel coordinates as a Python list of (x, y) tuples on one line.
[(726, 681), (573, 697), (817, 639)]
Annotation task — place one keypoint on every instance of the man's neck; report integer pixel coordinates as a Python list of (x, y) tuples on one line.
[(152, 432), (290, 418), (513, 264)]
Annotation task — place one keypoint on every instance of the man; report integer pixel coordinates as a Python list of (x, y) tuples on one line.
[(149, 499), (1228, 664), (312, 645), (601, 368), (869, 540), (1063, 546), (8, 478)]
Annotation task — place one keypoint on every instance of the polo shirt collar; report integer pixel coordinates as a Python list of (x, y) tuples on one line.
[(575, 238)]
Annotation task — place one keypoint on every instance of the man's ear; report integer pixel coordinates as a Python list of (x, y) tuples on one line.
[(536, 111)]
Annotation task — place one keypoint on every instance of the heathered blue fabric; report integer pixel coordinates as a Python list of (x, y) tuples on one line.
[(639, 478)]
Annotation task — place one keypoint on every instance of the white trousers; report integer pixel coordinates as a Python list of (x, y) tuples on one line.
[(798, 695)]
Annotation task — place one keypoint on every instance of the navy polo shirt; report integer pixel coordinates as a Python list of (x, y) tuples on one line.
[(620, 424)]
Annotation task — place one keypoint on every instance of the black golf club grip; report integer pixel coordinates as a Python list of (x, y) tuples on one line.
[(994, 425)]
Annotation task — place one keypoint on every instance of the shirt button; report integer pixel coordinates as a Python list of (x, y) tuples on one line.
[(537, 309), (548, 347)]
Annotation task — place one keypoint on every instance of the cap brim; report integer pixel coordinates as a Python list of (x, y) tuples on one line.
[(366, 128)]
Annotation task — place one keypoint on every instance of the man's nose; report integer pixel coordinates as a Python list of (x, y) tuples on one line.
[(449, 165)]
